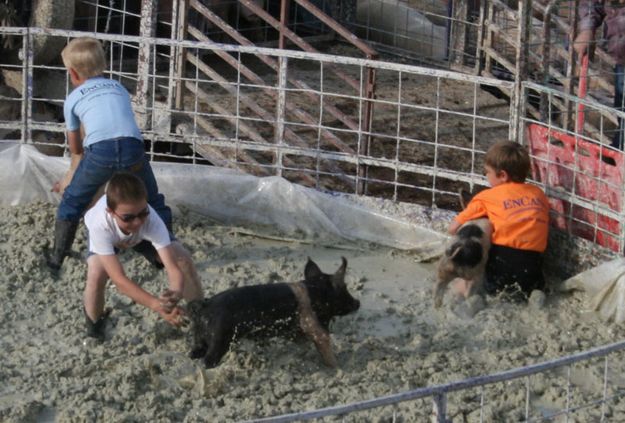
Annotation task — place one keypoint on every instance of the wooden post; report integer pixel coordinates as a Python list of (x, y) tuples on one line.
[(27, 86), (346, 14), (569, 87), (525, 6), (180, 59), (284, 21), (458, 34), (479, 49), (147, 30), (280, 113), (489, 42)]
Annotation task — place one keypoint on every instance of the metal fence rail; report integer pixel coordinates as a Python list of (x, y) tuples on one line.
[(425, 137), (439, 394), (583, 177)]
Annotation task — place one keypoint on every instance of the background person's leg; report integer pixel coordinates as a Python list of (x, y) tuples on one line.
[(147, 250), (64, 234), (132, 158), (90, 175), (157, 200), (87, 180)]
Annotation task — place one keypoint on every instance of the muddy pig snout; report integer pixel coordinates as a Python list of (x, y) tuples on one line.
[(347, 304), (355, 304)]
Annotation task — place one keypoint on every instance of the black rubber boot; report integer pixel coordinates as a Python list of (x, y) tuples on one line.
[(147, 250), (64, 234), (96, 329)]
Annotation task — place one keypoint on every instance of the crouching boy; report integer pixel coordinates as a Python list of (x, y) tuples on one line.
[(519, 213), (121, 219)]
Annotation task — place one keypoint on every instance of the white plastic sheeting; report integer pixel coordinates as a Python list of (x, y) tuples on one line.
[(27, 175), (399, 25), (605, 286), (233, 198)]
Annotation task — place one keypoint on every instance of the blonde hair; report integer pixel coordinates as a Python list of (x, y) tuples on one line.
[(86, 56), (511, 157)]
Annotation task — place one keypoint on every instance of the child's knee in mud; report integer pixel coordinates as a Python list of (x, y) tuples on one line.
[(280, 309)]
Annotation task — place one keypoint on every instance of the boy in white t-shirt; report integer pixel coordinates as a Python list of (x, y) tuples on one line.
[(121, 219)]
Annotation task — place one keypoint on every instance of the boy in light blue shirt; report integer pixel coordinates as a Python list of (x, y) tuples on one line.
[(97, 103), (112, 142)]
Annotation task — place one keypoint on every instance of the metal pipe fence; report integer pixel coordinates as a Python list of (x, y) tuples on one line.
[(426, 138), (426, 134), (438, 395), (580, 172)]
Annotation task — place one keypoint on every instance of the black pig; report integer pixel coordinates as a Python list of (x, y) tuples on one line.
[(280, 309)]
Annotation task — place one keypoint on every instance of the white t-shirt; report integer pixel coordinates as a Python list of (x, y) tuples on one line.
[(105, 235)]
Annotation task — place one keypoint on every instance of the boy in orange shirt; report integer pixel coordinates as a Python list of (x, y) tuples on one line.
[(519, 213)]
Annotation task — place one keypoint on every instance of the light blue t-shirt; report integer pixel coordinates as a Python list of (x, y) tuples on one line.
[(103, 106)]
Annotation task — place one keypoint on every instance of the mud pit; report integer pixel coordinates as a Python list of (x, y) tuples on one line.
[(395, 342)]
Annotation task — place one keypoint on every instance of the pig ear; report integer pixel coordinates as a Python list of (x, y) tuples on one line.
[(311, 271), (455, 252), (341, 270), (339, 275)]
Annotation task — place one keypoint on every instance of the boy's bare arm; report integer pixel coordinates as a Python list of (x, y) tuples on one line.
[(582, 42), (174, 274), (453, 227), (74, 141), (115, 272), (60, 186)]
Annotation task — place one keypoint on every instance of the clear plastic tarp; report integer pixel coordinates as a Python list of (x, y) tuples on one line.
[(231, 197), (605, 287)]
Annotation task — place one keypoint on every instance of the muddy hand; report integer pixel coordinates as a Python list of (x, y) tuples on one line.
[(169, 299), (174, 317)]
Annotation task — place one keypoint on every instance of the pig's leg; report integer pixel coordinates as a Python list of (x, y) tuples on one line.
[(441, 285), (469, 288), (476, 284), (198, 350), (216, 347), (445, 274), (199, 346)]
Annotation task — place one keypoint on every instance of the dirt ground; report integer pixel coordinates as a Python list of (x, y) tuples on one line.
[(395, 342)]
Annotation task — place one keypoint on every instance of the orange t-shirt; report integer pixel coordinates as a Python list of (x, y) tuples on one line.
[(519, 214)]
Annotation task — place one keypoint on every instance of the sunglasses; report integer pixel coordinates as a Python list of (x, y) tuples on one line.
[(127, 218)]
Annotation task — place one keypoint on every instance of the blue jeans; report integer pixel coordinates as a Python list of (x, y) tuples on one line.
[(619, 80), (100, 161)]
